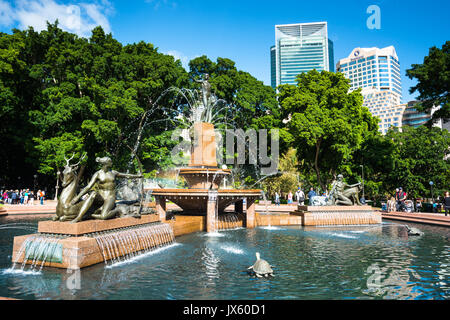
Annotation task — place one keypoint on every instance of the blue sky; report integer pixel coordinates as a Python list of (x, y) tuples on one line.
[(244, 30)]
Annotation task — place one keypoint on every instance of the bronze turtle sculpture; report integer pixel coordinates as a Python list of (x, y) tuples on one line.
[(261, 267)]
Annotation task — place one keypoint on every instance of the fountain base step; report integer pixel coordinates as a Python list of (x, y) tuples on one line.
[(337, 215), (90, 226), (74, 246)]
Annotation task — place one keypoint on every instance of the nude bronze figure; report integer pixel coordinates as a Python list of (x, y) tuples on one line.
[(104, 196), (343, 194)]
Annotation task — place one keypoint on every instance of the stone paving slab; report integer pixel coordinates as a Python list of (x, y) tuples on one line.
[(422, 217), (49, 206)]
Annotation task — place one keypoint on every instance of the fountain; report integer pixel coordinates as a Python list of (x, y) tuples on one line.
[(91, 226), (91, 229), (342, 208), (203, 195)]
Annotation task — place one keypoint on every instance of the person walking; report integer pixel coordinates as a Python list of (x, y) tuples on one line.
[(446, 203), (300, 197), (289, 199), (401, 197), (42, 196), (31, 198), (21, 193), (26, 195), (418, 205), (13, 197), (39, 196), (311, 194), (277, 199), (5, 197)]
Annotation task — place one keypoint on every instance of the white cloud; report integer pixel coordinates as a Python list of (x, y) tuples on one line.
[(182, 57), (159, 3), (179, 56), (6, 13), (76, 18)]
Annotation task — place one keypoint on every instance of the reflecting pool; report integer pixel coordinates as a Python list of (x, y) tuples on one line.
[(339, 262)]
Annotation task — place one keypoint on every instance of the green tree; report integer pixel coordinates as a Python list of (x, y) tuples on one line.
[(69, 94), (289, 178), (433, 81), (326, 123), (250, 103), (418, 157)]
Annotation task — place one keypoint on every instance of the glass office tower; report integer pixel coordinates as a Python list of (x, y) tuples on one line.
[(300, 48)]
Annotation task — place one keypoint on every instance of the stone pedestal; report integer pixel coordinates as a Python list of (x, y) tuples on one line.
[(211, 211), (204, 148), (76, 244), (161, 208), (250, 220), (337, 215), (92, 226)]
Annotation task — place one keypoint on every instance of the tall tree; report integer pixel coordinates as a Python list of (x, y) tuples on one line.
[(433, 85), (325, 122), (71, 94), (420, 155), (250, 103)]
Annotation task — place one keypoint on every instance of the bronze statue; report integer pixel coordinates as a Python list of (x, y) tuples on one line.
[(343, 194), (70, 179), (104, 197), (206, 90)]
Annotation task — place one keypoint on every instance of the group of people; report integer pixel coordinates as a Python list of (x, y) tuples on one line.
[(21, 197), (400, 202), (442, 203), (298, 196)]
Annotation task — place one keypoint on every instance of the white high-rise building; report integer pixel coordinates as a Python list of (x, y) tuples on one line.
[(377, 72)]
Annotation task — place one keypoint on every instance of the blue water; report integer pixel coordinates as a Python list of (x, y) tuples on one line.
[(361, 262)]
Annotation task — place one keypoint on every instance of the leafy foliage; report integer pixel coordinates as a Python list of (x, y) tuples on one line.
[(433, 85), (325, 123)]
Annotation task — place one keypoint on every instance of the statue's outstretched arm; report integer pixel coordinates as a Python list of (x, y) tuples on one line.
[(86, 189), (354, 185), (127, 175)]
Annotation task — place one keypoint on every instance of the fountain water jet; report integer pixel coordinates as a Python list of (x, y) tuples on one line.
[(203, 195)]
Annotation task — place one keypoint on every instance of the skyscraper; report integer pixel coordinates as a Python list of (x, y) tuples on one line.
[(377, 72), (300, 48)]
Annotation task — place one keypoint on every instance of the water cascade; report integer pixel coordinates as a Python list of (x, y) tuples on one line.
[(230, 221), (37, 250), (126, 243)]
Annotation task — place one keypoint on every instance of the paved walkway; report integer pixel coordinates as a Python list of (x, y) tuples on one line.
[(49, 206), (422, 217)]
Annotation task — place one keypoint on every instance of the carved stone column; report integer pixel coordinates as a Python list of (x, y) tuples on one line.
[(211, 210), (250, 214), (161, 208)]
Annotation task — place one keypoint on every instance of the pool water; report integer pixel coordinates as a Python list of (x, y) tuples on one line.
[(342, 262)]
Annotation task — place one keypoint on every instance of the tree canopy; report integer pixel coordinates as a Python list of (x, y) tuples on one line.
[(433, 85), (61, 94), (325, 122)]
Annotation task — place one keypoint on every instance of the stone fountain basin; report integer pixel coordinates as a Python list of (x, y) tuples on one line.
[(203, 178), (194, 201)]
